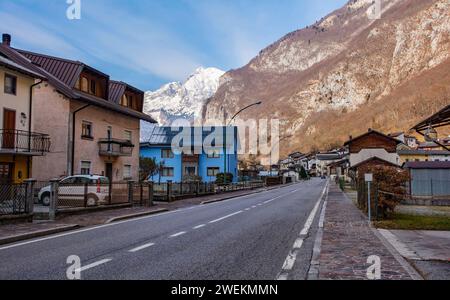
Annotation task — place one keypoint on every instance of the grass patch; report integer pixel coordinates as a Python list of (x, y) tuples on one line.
[(410, 222)]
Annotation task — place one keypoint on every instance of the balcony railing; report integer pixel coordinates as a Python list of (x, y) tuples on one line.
[(24, 142), (115, 147)]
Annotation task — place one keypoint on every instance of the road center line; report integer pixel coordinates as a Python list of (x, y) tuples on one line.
[(93, 265), (141, 247), (177, 234), (226, 217), (199, 226)]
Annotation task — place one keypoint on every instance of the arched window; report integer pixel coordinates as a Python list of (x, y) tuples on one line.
[(84, 84)]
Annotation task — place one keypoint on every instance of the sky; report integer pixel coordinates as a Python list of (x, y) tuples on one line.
[(148, 43)]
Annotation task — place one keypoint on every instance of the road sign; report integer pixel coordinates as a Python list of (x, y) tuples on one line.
[(368, 177)]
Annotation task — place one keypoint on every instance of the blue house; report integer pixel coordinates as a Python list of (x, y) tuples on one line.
[(192, 153)]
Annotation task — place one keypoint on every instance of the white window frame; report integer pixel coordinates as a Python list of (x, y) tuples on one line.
[(125, 167), (81, 167)]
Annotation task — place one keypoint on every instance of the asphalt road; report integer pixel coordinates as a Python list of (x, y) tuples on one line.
[(243, 238)]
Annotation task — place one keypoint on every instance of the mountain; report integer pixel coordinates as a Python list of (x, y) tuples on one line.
[(347, 73), (178, 100)]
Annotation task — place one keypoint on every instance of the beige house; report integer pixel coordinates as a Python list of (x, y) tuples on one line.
[(18, 142), (93, 122)]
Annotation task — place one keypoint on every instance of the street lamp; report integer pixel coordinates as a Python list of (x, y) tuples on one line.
[(225, 138)]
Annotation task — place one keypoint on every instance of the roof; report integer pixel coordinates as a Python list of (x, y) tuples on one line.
[(396, 134), (440, 119), (65, 82), (428, 165), (428, 145), (374, 158), (329, 156), (371, 131), (423, 152), (18, 68), (118, 88), (338, 163), (163, 136)]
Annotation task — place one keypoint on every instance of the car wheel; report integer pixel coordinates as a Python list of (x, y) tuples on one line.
[(45, 199), (92, 200)]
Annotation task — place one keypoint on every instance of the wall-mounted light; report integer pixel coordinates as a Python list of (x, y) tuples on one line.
[(23, 119)]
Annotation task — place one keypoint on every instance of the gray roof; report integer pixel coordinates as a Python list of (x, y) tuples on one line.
[(163, 136), (423, 152), (428, 165)]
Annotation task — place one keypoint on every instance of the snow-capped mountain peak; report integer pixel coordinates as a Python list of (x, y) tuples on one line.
[(178, 100)]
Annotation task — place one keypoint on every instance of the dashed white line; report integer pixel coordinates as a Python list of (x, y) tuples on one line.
[(177, 234), (254, 206), (93, 265), (298, 243), (199, 226), (226, 217), (290, 260), (141, 247)]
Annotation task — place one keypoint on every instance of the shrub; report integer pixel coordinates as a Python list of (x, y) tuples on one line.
[(220, 178), (389, 186)]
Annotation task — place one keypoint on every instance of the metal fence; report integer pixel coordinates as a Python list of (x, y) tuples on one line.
[(173, 191), (13, 199), (430, 188)]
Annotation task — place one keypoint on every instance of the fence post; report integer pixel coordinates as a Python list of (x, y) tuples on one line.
[(150, 194), (141, 190), (53, 198), (432, 189), (110, 192), (86, 190), (29, 195), (130, 191), (169, 191), (197, 192)]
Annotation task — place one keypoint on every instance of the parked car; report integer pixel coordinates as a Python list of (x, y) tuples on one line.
[(72, 189)]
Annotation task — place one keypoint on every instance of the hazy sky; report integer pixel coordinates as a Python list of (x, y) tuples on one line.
[(150, 42)]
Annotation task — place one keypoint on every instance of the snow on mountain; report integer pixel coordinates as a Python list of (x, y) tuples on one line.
[(178, 100)]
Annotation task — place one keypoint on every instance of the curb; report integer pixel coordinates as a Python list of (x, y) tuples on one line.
[(35, 234), (137, 215)]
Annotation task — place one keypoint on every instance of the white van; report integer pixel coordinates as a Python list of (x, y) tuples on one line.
[(72, 188)]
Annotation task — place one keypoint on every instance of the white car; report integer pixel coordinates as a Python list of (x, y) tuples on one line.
[(72, 189)]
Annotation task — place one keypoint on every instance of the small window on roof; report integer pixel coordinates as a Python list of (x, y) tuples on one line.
[(84, 84)]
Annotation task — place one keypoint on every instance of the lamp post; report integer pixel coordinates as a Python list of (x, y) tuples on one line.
[(225, 138)]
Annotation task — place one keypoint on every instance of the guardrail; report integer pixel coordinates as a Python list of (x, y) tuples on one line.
[(18, 141)]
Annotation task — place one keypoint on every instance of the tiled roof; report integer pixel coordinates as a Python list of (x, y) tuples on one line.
[(371, 131)]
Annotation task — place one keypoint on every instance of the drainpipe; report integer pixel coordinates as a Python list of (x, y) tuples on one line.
[(72, 164), (30, 114)]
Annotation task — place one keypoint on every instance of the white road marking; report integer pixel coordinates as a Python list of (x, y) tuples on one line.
[(247, 209), (254, 206), (403, 249), (177, 234), (133, 220), (226, 217), (292, 256), (141, 247), (199, 226), (93, 265)]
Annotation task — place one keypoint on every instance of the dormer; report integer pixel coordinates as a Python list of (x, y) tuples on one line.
[(126, 95), (93, 82)]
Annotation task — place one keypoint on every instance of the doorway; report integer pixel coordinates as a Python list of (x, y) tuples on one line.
[(9, 128), (6, 173), (109, 171)]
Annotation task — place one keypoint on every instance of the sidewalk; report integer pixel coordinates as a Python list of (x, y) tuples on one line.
[(17, 232), (348, 241)]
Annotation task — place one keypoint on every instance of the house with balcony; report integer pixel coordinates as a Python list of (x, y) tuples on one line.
[(19, 143), (93, 121), (199, 156)]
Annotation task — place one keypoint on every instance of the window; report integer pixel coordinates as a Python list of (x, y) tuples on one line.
[(128, 135), (85, 168), (213, 154), (190, 171), (86, 130), (167, 153), (124, 100), (127, 172), (167, 172), (84, 84), (213, 171), (10, 84), (93, 89)]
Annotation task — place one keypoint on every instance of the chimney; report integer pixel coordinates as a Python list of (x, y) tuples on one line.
[(6, 39)]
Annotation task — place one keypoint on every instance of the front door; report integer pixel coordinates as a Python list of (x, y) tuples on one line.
[(5, 173), (9, 127), (109, 171)]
